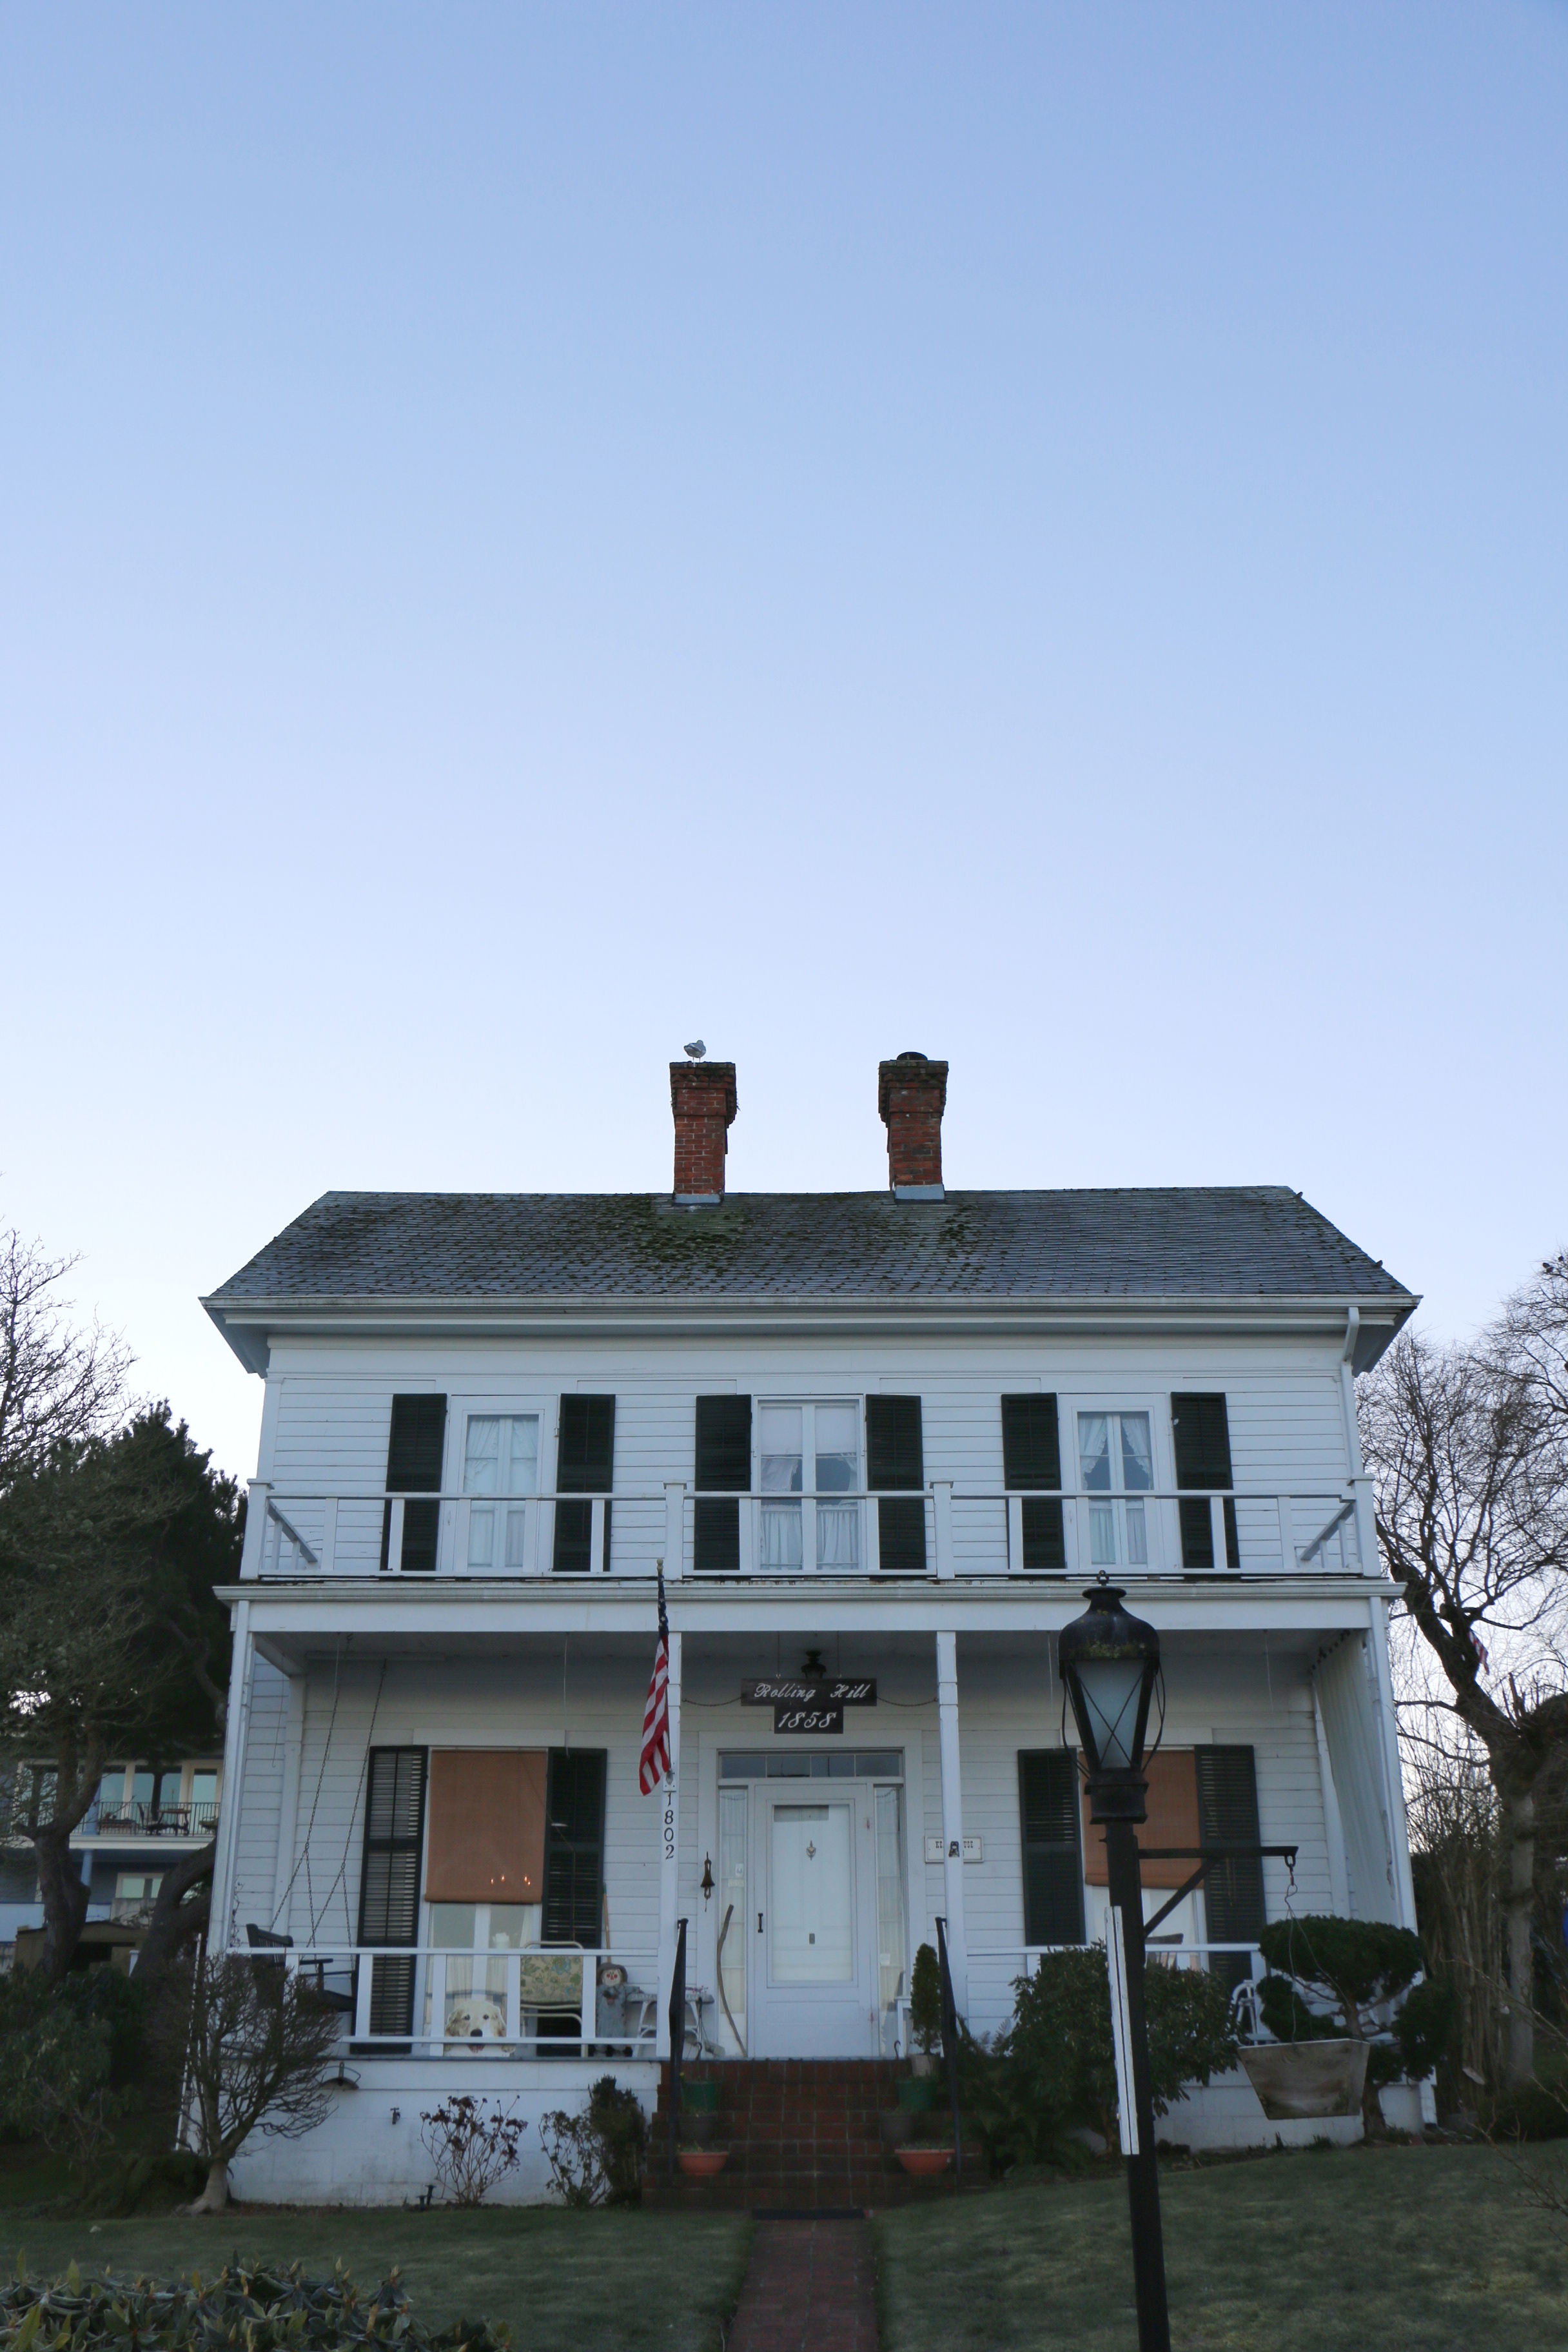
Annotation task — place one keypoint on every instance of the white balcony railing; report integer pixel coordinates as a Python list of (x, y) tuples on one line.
[(945, 1531), (547, 2000)]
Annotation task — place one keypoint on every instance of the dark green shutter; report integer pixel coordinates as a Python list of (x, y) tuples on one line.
[(574, 1847), (389, 1879), (415, 1450), (723, 1468), (895, 1458), (1227, 1815), (584, 1465), (1201, 1429), (1031, 1458), (1053, 1859)]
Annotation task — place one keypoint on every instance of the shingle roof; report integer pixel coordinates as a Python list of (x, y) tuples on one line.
[(1242, 1241)]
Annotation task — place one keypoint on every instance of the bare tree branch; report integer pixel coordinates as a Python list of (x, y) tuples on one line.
[(58, 1384)]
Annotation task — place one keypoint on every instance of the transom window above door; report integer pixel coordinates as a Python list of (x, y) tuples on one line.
[(500, 1466), (1116, 1463), (810, 1457)]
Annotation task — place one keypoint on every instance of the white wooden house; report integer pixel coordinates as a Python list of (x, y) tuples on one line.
[(878, 1441)]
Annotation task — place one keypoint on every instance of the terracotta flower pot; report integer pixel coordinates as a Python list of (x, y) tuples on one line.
[(1307, 2078), (923, 2160), (703, 2162)]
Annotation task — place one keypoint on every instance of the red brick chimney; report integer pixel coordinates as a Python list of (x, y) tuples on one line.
[(702, 1096), (911, 1095)]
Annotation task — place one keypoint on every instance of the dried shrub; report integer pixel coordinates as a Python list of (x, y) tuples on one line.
[(471, 2149)]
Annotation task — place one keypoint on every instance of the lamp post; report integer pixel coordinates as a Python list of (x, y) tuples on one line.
[(1111, 1665)]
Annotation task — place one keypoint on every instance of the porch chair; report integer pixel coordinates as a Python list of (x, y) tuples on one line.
[(262, 1941)]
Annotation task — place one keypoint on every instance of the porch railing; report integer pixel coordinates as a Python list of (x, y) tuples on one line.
[(944, 1531), (544, 2000), (141, 1818)]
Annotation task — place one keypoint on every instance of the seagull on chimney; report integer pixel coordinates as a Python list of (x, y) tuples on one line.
[(696, 1049)]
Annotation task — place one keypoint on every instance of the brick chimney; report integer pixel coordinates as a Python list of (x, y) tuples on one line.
[(702, 1096), (911, 1095)]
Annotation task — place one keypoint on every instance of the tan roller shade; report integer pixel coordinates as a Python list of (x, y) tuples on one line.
[(486, 1826), (1172, 1821)]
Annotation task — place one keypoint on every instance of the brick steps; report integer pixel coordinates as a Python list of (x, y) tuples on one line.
[(804, 2136)]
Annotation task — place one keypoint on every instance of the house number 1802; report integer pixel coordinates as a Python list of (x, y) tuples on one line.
[(670, 1827)]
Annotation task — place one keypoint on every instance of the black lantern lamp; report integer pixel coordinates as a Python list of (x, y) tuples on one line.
[(1110, 1668)]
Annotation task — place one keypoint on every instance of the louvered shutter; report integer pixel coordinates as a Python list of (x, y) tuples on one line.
[(389, 1879), (574, 1847), (1031, 1457), (1227, 1815), (724, 1469), (895, 1459), (415, 1450), (584, 1465), (1201, 1429), (1053, 1866)]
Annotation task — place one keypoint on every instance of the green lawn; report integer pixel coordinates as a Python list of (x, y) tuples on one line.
[(1406, 2249), (561, 2282)]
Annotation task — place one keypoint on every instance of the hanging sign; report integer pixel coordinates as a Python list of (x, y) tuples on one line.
[(811, 1690)]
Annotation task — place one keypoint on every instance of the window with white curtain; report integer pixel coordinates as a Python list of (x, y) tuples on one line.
[(810, 1452), (500, 1466), (1116, 1463)]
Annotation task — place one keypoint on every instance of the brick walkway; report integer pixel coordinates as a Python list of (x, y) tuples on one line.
[(811, 2287)]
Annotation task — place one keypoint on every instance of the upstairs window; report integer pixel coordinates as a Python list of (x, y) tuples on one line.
[(811, 1450), (500, 1462), (895, 1460), (1116, 1465), (1032, 1458), (1201, 1430), (585, 1465)]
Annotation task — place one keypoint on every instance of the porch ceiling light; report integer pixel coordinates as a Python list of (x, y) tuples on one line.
[(1111, 1667)]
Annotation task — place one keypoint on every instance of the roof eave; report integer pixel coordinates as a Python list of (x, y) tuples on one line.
[(248, 1323)]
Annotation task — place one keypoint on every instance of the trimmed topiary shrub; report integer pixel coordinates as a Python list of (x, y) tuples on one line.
[(262, 2309), (1353, 1967)]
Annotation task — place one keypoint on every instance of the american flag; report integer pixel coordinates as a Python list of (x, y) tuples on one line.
[(655, 1764)]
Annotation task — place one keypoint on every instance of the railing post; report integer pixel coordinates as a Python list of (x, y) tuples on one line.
[(1216, 1531), (942, 1512), (252, 1555), (394, 1534), (1365, 1524), (597, 1560), (362, 1997), (514, 1999), (1015, 1531), (674, 1529), (329, 1535)]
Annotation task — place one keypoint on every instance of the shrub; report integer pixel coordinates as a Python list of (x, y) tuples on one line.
[(925, 1999), (265, 2310), (56, 2061), (1354, 1967), (1054, 2068), (257, 2048), (472, 2150), (595, 2157)]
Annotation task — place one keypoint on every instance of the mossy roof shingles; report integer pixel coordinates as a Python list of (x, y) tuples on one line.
[(1239, 1241)]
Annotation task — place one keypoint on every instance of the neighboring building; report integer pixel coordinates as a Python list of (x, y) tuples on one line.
[(144, 1818), (881, 1438)]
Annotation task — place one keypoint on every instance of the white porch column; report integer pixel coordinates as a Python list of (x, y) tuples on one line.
[(1333, 1827), (951, 1817), (668, 1800), (288, 1802), (237, 1727), (1394, 1773)]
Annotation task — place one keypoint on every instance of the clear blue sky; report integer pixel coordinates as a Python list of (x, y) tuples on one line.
[(529, 535)]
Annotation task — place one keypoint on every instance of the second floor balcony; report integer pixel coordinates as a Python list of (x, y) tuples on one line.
[(942, 1531)]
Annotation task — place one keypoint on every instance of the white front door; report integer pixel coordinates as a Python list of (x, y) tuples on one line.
[(814, 1922)]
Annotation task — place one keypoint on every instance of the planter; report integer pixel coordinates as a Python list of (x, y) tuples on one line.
[(922, 2162), (1307, 2078), (701, 2163), (897, 2126), (699, 2098), (917, 2093), (924, 2062)]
